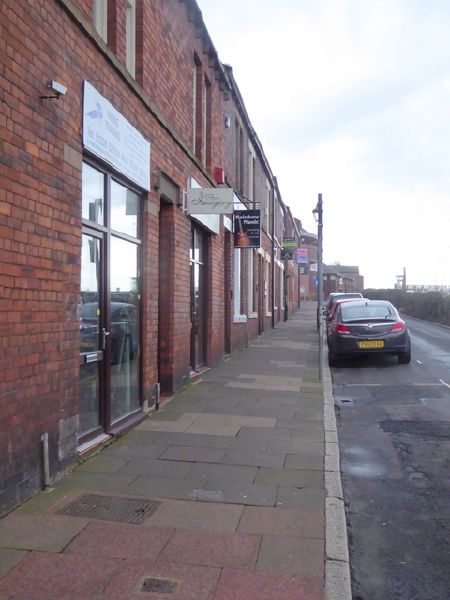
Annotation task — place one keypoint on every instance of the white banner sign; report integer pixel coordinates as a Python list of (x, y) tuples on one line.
[(203, 201), (108, 134)]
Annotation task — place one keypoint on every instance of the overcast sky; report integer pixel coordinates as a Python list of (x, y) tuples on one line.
[(351, 98)]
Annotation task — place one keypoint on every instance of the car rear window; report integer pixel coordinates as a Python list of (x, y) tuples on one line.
[(366, 311)]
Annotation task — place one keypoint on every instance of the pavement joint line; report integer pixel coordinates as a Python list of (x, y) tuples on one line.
[(337, 563)]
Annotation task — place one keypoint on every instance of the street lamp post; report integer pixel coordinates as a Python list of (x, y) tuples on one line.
[(318, 216)]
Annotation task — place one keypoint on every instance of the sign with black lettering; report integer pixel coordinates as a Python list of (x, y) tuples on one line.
[(247, 228)]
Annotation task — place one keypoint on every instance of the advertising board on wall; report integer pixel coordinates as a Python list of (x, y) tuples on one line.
[(108, 135)]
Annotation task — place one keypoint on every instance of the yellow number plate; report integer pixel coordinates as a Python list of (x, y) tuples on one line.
[(371, 344)]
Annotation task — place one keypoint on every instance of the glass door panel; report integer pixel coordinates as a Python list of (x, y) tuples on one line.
[(124, 342), (198, 300), (90, 351)]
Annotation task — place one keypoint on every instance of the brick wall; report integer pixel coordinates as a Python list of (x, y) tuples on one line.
[(41, 155)]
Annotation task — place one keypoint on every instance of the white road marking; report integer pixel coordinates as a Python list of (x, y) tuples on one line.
[(426, 384), (443, 383), (419, 362), (363, 384)]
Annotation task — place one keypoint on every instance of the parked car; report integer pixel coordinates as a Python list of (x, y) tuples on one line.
[(339, 296), (368, 327)]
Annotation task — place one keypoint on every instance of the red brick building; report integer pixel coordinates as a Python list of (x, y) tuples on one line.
[(111, 292), (341, 278)]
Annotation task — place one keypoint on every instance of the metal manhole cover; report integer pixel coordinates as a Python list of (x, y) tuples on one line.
[(158, 586), (110, 508)]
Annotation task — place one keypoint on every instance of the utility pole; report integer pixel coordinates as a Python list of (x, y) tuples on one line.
[(318, 215)]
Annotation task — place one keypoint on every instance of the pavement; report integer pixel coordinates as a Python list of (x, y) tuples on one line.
[(231, 491)]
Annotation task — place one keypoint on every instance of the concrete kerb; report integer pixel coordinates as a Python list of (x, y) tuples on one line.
[(337, 565)]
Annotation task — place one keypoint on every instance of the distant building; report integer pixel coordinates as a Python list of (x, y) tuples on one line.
[(341, 278)]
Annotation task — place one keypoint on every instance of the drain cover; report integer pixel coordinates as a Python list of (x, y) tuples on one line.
[(158, 586), (110, 508)]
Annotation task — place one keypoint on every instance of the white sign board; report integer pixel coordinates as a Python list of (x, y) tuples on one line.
[(207, 201), (108, 134)]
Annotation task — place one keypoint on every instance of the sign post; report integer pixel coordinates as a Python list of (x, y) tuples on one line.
[(319, 212)]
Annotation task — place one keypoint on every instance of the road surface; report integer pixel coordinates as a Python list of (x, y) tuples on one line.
[(394, 436)]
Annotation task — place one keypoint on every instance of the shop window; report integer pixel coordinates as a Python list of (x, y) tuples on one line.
[(267, 208), (251, 174), (251, 296), (100, 18), (131, 36), (239, 157), (237, 289), (207, 125), (198, 100)]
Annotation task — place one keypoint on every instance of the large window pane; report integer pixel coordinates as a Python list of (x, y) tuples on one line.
[(90, 285), (89, 313), (125, 347), (124, 210), (93, 189)]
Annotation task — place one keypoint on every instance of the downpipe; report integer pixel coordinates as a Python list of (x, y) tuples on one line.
[(45, 460)]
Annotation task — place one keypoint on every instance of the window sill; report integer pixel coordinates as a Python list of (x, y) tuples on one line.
[(240, 319)]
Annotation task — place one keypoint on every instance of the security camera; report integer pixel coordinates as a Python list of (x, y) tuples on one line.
[(57, 88)]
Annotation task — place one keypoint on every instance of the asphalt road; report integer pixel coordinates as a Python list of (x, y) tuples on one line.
[(394, 437)]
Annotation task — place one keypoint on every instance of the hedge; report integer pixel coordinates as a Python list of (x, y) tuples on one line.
[(429, 306)]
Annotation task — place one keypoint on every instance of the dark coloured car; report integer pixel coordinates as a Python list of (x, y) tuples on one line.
[(368, 327)]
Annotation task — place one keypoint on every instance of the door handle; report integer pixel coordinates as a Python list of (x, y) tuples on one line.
[(104, 336)]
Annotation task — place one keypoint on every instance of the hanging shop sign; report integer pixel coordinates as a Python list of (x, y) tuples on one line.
[(287, 253), (302, 255), (289, 242), (204, 201), (108, 135), (247, 228)]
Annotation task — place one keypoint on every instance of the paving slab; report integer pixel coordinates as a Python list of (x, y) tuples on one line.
[(189, 582), (186, 453), (290, 478), (301, 522), (164, 487), (136, 450), (256, 434), (102, 464), (36, 532), (248, 494), (121, 541), (295, 447), (289, 554), (242, 584), (212, 549), (156, 468), (223, 475), (304, 461), (196, 516), (305, 498), (220, 430), (9, 558), (253, 459), (59, 577)]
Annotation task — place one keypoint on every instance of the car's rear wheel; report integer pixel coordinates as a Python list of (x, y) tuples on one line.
[(404, 358)]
